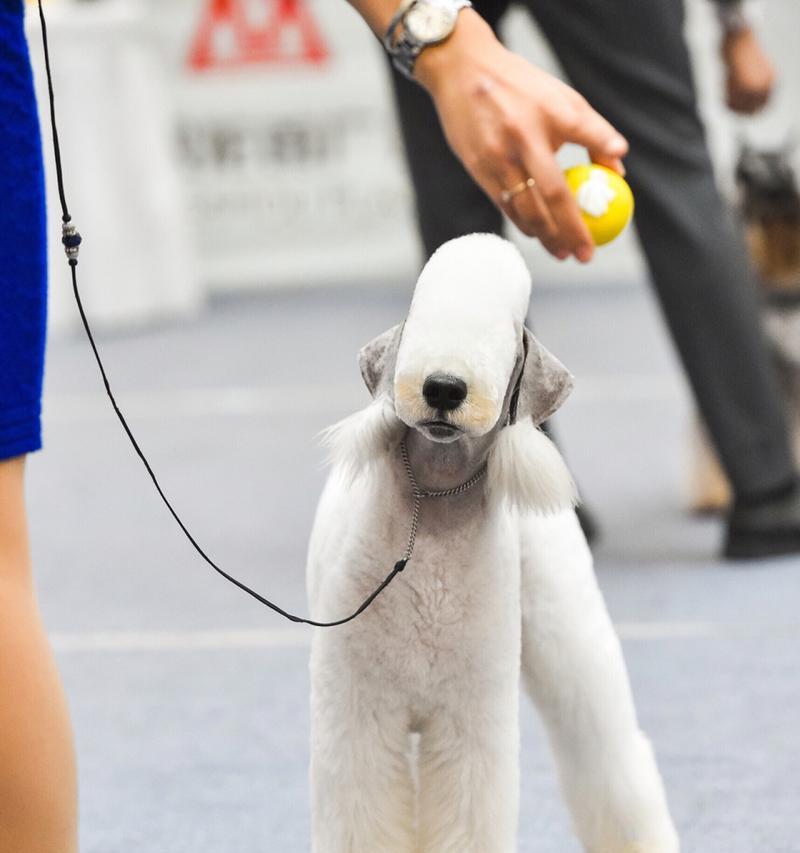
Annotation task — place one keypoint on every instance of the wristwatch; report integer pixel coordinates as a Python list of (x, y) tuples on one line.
[(418, 24)]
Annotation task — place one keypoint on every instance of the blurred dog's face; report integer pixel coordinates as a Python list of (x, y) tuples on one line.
[(767, 180), (767, 183), (770, 203), (461, 346)]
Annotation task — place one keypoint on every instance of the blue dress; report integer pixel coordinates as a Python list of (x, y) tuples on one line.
[(23, 243)]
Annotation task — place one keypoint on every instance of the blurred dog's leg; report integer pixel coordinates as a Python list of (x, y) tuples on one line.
[(573, 667), (710, 491), (794, 413)]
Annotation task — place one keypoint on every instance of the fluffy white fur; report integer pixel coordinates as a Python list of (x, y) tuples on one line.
[(492, 583), (359, 440), (524, 466), (526, 469)]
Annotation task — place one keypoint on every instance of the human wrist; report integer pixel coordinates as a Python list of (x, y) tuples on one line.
[(739, 16), (471, 37)]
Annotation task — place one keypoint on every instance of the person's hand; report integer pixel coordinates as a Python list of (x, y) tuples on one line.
[(750, 74), (505, 119)]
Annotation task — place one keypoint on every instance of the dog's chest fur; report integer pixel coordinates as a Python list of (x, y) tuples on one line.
[(451, 618)]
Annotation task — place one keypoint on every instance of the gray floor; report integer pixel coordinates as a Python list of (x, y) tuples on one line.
[(190, 701)]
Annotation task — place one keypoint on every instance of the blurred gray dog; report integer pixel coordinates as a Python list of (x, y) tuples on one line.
[(769, 203)]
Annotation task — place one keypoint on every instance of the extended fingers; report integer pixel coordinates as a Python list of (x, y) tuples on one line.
[(520, 200), (571, 231), (514, 133), (574, 120), (529, 213)]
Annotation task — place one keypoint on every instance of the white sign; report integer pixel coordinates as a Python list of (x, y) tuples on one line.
[(286, 142)]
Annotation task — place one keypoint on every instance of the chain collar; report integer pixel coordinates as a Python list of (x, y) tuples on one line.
[(420, 494)]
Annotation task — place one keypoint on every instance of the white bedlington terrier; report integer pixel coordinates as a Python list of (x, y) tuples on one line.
[(500, 573)]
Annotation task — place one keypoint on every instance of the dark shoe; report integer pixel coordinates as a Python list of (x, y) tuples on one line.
[(768, 528)]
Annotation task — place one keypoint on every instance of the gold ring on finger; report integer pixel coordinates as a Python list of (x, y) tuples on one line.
[(507, 195)]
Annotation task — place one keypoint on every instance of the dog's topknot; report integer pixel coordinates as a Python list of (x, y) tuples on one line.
[(477, 267)]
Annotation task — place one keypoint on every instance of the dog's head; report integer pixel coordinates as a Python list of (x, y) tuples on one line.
[(463, 359), (767, 183), (463, 366)]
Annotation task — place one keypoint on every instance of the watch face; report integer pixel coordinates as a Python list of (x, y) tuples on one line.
[(430, 23)]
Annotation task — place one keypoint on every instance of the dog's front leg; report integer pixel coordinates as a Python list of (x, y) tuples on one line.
[(469, 773), (573, 667), (362, 793)]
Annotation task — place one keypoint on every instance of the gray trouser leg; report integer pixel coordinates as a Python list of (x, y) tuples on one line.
[(449, 203), (629, 59)]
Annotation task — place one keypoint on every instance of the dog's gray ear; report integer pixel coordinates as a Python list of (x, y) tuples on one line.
[(377, 360), (545, 383)]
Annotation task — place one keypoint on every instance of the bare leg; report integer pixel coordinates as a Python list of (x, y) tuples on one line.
[(573, 667), (469, 777), (38, 799)]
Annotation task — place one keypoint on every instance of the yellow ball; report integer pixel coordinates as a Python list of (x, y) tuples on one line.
[(604, 198)]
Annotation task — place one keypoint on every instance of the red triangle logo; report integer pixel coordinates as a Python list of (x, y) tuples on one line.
[(229, 37)]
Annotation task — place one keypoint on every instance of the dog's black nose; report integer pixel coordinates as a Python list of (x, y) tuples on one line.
[(444, 392)]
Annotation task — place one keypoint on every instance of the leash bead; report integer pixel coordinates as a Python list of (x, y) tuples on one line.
[(72, 240)]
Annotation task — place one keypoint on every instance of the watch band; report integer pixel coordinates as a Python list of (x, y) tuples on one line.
[(400, 43), (402, 48)]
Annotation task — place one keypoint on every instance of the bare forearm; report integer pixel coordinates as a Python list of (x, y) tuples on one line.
[(505, 119), (472, 35)]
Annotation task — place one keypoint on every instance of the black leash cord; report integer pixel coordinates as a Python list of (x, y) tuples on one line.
[(72, 241)]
